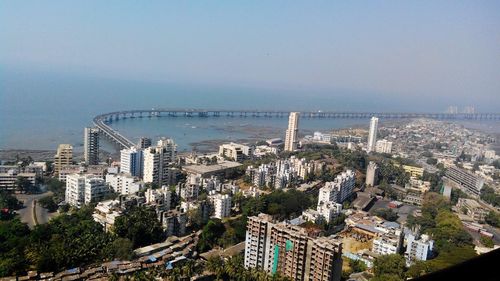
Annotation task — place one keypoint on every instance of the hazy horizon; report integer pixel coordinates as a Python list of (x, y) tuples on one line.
[(414, 56)]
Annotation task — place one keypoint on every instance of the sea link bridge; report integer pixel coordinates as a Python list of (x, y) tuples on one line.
[(102, 121)]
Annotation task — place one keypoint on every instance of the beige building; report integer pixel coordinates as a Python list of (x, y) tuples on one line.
[(291, 251), (63, 157), (292, 132), (235, 152), (9, 178), (415, 172)]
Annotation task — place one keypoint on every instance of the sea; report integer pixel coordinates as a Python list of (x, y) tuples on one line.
[(39, 110)]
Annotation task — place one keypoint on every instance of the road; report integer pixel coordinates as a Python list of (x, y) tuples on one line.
[(26, 213)]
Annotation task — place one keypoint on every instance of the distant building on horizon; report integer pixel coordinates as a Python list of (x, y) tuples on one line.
[(372, 135), (91, 145), (292, 131), (63, 157)]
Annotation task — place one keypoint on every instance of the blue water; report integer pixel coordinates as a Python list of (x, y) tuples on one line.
[(39, 110)]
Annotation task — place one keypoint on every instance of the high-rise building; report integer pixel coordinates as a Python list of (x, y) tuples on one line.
[(158, 163), (91, 146), (131, 160), (63, 157), (292, 131), (371, 174), (83, 189), (372, 135), (288, 250), (144, 143), (468, 182)]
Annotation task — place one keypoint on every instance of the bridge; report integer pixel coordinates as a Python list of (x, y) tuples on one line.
[(101, 121)]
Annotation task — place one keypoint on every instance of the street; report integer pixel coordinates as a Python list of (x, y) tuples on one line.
[(26, 213)]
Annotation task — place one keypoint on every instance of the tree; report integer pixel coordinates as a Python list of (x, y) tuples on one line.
[(48, 203), (23, 185), (210, 235), (121, 248), (7, 201), (357, 265), (432, 161), (492, 219), (140, 225), (389, 267), (486, 241), (386, 214), (14, 237)]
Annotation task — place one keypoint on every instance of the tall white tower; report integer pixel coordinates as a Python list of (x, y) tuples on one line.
[(291, 133), (372, 136), (91, 146)]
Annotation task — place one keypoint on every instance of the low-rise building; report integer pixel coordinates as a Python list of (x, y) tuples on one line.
[(235, 152), (388, 243), (472, 209), (8, 180), (124, 183), (96, 170), (106, 212)]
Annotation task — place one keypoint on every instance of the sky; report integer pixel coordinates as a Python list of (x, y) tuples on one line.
[(445, 52)]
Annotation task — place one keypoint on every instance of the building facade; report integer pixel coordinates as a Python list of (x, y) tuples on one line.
[(470, 183), (63, 157), (372, 135), (91, 145), (384, 146), (158, 163), (235, 152), (371, 174), (131, 161), (289, 250), (291, 136), (83, 189), (124, 183)]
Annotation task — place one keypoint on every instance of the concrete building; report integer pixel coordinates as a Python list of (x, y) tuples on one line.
[(419, 248), (291, 138), (91, 145), (131, 161), (83, 189), (174, 222), (124, 183), (221, 205), (96, 170), (388, 243), (329, 210), (371, 174), (470, 183), (106, 212), (8, 179), (235, 152), (289, 250), (144, 143), (158, 163), (383, 146), (338, 190), (472, 209), (63, 157), (372, 135), (160, 198), (415, 172)]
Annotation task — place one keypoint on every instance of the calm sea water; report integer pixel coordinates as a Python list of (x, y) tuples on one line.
[(39, 110)]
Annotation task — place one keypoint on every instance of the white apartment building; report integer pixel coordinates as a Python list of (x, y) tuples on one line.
[(221, 205), (96, 170), (384, 146), (124, 183), (131, 161), (106, 212), (83, 189), (291, 137), (329, 210), (9, 178), (389, 243), (235, 152), (91, 145), (419, 248), (338, 190), (158, 161), (372, 135)]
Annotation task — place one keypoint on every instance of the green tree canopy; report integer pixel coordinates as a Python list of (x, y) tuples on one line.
[(141, 226)]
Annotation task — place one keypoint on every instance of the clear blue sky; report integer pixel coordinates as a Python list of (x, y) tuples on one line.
[(398, 49)]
